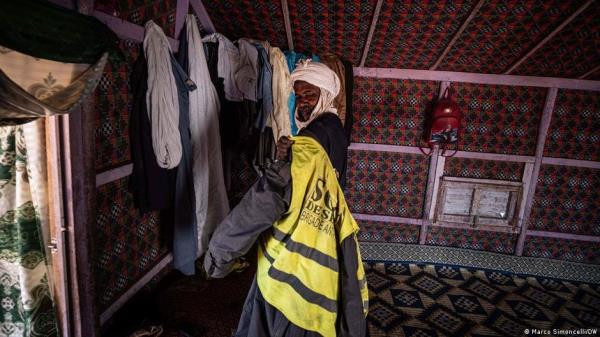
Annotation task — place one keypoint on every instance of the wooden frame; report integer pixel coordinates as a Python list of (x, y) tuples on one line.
[(472, 219)]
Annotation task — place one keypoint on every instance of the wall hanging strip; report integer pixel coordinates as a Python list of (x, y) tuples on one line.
[(128, 30), (110, 311), (203, 17), (539, 152), (182, 9), (371, 32), (571, 162), (288, 26), (494, 79), (567, 236)]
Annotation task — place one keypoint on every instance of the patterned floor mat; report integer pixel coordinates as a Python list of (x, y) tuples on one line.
[(437, 300)]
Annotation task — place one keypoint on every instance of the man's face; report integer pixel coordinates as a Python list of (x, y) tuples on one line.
[(307, 96)]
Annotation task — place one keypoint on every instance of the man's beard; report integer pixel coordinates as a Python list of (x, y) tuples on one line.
[(302, 113)]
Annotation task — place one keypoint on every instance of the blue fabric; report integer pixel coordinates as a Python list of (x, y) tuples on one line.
[(292, 58), (185, 229), (265, 89)]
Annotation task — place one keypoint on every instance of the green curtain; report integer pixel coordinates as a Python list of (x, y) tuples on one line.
[(26, 306)]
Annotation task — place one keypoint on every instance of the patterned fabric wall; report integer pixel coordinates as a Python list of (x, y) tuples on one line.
[(499, 119), (412, 34), (262, 20), (162, 12), (472, 239), (389, 111), (112, 106), (386, 183), (570, 250), (128, 243), (376, 231), (338, 27), (503, 31), (483, 169), (572, 52), (567, 200), (574, 131)]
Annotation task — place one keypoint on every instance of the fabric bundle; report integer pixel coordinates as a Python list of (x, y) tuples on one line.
[(161, 98)]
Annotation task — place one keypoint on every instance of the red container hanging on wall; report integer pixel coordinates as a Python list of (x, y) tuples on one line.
[(443, 127)]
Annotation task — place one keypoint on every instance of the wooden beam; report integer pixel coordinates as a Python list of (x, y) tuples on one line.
[(459, 154), (432, 177), (593, 70), (429, 192), (288, 26), (203, 16), (385, 148), (60, 272), (564, 236), (387, 218), (571, 162), (494, 79), (80, 217), (114, 174), (108, 313), (539, 152), (182, 9), (363, 59), (457, 34), (127, 30), (549, 37)]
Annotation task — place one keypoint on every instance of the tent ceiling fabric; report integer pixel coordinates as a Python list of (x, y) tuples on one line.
[(413, 34), (262, 20)]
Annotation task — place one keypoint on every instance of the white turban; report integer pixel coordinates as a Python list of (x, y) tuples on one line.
[(321, 76)]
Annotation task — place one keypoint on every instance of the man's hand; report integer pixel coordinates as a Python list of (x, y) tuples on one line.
[(283, 148)]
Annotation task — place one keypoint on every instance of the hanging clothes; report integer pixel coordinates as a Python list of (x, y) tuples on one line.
[(149, 182), (265, 88), (281, 88), (212, 205), (227, 65), (161, 97), (335, 64), (246, 75)]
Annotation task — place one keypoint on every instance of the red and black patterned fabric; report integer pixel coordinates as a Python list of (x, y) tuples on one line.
[(413, 34), (261, 20), (162, 12), (390, 111), (574, 131), (112, 106), (567, 200), (503, 31), (499, 119), (338, 27), (472, 239), (483, 169), (574, 51), (127, 243), (376, 231), (386, 183), (561, 249)]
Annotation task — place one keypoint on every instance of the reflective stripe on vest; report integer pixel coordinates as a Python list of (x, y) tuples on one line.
[(298, 267)]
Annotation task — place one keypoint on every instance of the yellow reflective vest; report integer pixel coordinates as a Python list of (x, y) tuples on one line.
[(298, 268)]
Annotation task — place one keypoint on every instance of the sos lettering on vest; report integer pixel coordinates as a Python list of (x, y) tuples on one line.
[(321, 210)]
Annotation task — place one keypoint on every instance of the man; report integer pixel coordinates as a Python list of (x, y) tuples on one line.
[(310, 280)]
